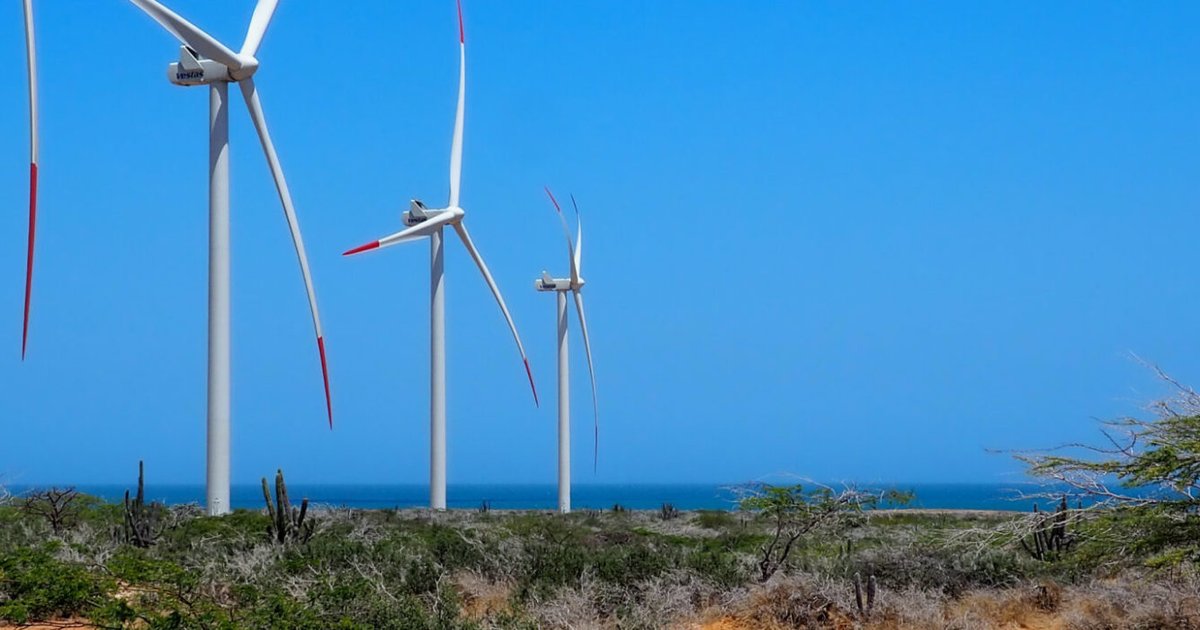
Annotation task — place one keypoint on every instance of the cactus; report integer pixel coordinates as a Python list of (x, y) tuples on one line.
[(287, 523), (1049, 537), (668, 512), (141, 521), (864, 608)]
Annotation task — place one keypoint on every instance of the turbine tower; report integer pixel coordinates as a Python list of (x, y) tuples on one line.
[(205, 61), (428, 222), (31, 64), (560, 287)]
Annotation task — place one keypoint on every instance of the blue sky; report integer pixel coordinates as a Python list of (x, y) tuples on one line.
[(841, 240)]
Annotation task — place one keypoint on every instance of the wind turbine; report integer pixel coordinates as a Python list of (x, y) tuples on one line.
[(427, 222), (31, 63), (205, 61), (574, 286)]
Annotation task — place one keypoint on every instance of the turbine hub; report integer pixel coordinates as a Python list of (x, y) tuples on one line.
[(191, 69)]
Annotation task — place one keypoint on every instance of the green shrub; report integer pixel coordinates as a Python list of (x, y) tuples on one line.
[(721, 568), (716, 519), (629, 564), (34, 586)]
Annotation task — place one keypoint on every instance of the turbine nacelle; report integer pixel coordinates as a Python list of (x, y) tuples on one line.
[(417, 214), (549, 283), (191, 69)]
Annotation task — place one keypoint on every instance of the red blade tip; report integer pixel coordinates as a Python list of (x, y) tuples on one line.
[(361, 248), (553, 200), (33, 182), (529, 373), (325, 377), (462, 35)]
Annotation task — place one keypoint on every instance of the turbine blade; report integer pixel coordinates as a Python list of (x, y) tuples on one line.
[(413, 233), (263, 12), (31, 63), (487, 276), (456, 145), (566, 233), (587, 347), (289, 212), (578, 268), (191, 36)]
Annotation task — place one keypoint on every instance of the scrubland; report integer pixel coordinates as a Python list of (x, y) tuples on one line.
[(340, 568)]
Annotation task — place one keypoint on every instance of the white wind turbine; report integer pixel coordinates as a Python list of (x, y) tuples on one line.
[(31, 63), (574, 286), (205, 61), (422, 222)]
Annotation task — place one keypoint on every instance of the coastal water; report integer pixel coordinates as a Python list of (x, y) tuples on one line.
[(543, 497)]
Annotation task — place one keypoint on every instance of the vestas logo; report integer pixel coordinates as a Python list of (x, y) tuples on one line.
[(189, 74)]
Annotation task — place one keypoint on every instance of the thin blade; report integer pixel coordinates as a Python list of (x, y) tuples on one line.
[(587, 347), (263, 12), (31, 63), (578, 268), (456, 145), (566, 233), (191, 36), (487, 276), (260, 124), (413, 233)]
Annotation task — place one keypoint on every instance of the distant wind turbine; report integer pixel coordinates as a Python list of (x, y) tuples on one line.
[(574, 286), (426, 222), (205, 61)]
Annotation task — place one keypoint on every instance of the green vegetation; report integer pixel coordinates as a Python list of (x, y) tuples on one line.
[(1141, 485), (1123, 552), (496, 569)]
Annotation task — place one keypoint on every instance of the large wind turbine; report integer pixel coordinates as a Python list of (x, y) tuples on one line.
[(31, 64), (422, 222), (560, 287), (205, 61)]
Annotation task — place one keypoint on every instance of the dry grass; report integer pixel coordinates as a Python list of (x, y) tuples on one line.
[(1131, 602)]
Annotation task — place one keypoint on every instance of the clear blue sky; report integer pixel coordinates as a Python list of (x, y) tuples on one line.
[(846, 241)]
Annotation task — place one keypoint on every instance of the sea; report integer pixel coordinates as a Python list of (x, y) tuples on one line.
[(957, 496)]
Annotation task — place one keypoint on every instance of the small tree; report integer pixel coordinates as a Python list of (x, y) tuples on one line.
[(795, 512), (1142, 463), (59, 507), (1146, 473)]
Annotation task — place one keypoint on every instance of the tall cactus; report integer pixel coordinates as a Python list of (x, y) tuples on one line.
[(140, 519), (287, 523), (1049, 538)]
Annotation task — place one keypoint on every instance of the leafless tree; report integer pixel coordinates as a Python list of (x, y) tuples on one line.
[(58, 506), (794, 512)]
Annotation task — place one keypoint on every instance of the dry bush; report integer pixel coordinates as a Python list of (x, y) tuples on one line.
[(1135, 602), (917, 608), (570, 607), (482, 598), (798, 601)]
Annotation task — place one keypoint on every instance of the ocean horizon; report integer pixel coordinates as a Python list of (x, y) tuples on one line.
[(956, 496)]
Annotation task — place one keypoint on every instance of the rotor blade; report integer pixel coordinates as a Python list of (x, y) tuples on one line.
[(587, 347), (456, 144), (31, 61), (413, 233), (578, 240), (263, 12), (289, 212), (566, 233), (487, 276), (191, 36)]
